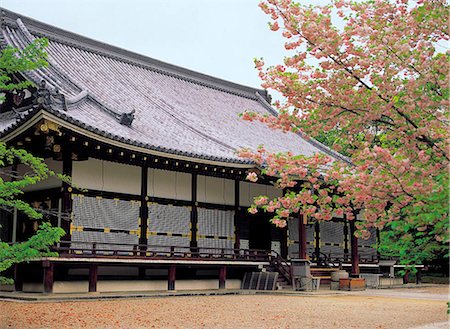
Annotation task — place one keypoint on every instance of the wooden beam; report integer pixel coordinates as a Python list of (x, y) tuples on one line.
[(222, 277), (302, 246), (171, 278), (48, 276), (194, 214), (93, 274), (354, 246), (237, 242), (143, 211)]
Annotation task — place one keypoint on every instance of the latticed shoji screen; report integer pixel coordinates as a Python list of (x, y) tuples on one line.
[(102, 220), (168, 226), (293, 241), (332, 239), (367, 250), (215, 228)]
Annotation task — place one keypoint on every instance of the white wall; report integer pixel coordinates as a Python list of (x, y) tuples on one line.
[(169, 184), (107, 176), (132, 285), (215, 190), (250, 190)]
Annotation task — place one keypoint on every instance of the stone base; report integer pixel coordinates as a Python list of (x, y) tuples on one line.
[(352, 284), (334, 285)]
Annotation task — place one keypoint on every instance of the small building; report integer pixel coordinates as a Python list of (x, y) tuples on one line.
[(159, 197)]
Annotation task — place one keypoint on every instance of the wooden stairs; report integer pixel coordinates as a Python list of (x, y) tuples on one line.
[(283, 268)]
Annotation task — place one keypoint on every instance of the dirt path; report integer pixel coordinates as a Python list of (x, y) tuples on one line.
[(242, 311)]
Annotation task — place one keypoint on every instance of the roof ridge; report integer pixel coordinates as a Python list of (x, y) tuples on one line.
[(58, 77), (60, 35)]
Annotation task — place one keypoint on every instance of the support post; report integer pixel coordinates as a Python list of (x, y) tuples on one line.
[(171, 278), (14, 226), (354, 246), (317, 240), (18, 277), (66, 190), (48, 276), (418, 276), (302, 247), (283, 243), (143, 212), (237, 242), (222, 277), (378, 244), (14, 219), (194, 215), (93, 271), (406, 277), (346, 251), (59, 212)]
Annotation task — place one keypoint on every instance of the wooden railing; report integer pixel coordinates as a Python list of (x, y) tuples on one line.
[(282, 266), (334, 258), (120, 250)]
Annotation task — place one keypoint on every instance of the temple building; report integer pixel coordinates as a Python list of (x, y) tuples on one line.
[(159, 197)]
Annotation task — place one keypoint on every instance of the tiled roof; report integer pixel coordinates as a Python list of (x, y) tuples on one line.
[(176, 111)]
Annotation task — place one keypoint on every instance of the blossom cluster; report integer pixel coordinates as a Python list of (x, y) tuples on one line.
[(380, 85)]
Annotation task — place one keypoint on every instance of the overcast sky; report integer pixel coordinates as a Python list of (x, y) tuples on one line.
[(216, 37)]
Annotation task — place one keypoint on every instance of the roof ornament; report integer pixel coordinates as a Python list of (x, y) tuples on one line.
[(61, 97), (42, 94), (126, 119), (2, 18)]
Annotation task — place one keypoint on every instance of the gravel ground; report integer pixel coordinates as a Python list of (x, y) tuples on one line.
[(241, 311)]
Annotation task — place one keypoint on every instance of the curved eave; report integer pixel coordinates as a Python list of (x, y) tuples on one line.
[(34, 116)]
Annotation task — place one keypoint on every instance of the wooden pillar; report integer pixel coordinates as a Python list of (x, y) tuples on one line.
[(378, 244), (284, 243), (143, 211), (18, 277), (93, 273), (406, 277), (66, 190), (194, 215), (14, 218), (418, 276), (222, 277), (48, 276), (317, 240), (354, 246), (14, 226), (302, 246), (237, 242), (171, 278), (346, 250)]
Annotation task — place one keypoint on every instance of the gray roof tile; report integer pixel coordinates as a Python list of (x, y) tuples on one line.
[(176, 110)]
